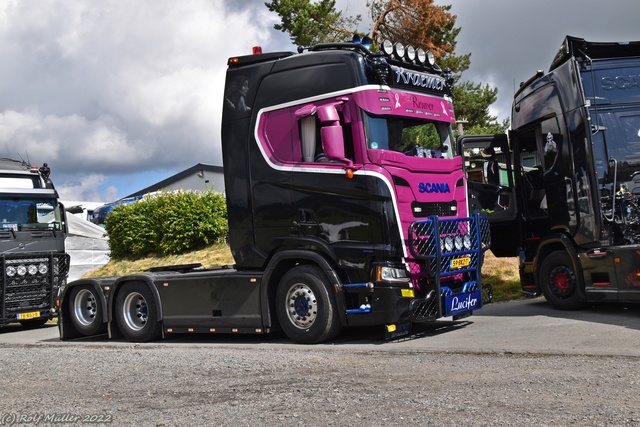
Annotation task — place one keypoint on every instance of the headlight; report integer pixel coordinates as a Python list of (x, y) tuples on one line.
[(22, 270), (466, 241), (458, 242), (32, 269), (11, 271), (448, 244), (43, 268), (390, 274)]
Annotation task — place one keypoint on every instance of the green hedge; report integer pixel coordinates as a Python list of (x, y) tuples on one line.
[(167, 223)]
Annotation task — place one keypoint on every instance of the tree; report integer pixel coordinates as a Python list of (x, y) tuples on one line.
[(417, 22), (472, 105), (312, 23)]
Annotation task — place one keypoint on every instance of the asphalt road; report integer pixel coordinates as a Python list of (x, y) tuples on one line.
[(513, 364), (521, 327)]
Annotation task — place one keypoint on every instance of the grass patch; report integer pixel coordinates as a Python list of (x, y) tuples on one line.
[(500, 273), (211, 256)]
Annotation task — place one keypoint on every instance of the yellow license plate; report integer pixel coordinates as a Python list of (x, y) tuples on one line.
[(30, 315), (460, 262)]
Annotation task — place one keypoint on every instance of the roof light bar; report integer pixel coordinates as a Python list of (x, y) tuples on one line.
[(407, 53)]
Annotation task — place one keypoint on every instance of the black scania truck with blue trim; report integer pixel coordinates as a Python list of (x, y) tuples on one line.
[(568, 200), (347, 206)]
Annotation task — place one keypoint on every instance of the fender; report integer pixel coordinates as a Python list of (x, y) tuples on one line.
[(65, 327), (288, 257)]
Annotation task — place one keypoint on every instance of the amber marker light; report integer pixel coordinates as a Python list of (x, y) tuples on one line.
[(391, 328), (350, 173)]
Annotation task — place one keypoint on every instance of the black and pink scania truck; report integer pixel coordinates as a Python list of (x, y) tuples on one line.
[(347, 206)]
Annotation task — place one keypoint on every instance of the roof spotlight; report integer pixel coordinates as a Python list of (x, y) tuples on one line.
[(410, 53), (387, 47), (355, 38), (430, 58), (398, 49), (421, 56), (366, 42)]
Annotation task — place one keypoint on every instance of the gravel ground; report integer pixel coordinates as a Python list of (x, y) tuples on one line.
[(168, 385)]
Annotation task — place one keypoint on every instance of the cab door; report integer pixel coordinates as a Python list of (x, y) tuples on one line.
[(491, 188)]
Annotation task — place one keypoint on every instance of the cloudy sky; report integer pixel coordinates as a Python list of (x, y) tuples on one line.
[(116, 95)]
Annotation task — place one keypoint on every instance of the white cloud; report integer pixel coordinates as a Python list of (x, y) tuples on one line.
[(115, 87)]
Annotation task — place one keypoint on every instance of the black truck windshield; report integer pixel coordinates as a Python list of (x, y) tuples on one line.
[(612, 82), (413, 137), (619, 132), (23, 214)]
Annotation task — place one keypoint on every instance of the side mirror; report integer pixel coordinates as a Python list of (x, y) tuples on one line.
[(332, 142), (332, 136)]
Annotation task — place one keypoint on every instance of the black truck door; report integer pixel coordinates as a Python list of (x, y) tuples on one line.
[(491, 189)]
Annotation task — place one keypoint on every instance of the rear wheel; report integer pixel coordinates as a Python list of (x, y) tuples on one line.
[(559, 282), (306, 309), (85, 309), (136, 313)]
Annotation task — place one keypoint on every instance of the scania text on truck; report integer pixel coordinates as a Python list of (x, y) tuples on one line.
[(32, 253), (569, 206), (347, 206)]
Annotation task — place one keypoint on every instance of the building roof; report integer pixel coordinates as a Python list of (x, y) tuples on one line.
[(177, 177)]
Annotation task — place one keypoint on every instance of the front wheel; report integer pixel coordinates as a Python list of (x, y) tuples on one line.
[(85, 310), (137, 314), (559, 282), (305, 307)]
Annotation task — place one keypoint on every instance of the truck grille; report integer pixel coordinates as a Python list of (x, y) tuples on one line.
[(30, 282)]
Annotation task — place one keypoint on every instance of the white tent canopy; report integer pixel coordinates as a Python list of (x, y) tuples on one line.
[(88, 246)]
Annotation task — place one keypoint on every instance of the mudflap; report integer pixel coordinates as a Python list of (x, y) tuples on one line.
[(397, 330)]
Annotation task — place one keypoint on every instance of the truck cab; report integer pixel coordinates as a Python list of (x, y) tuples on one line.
[(32, 253), (573, 167)]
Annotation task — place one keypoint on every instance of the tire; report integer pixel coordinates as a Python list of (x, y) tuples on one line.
[(137, 314), (305, 307), (560, 284), (33, 323), (86, 311)]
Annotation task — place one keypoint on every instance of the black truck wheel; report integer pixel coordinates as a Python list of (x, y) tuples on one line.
[(306, 309), (85, 310), (136, 313), (559, 283)]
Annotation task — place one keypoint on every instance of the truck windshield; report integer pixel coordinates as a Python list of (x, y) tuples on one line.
[(412, 137), (621, 135), (612, 82), (22, 214)]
